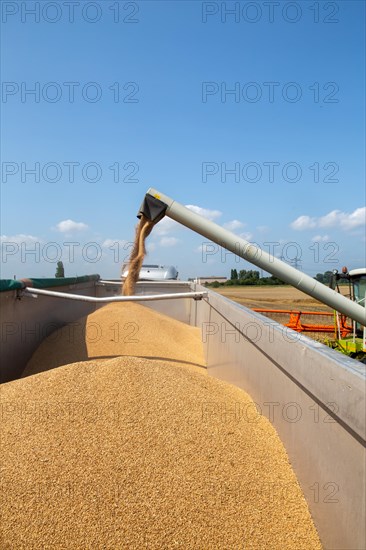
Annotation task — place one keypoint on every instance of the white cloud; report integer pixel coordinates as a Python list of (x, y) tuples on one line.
[(335, 218), (345, 220), (303, 222), (209, 214), (168, 241), (320, 238), (263, 228), (19, 239), (69, 226), (233, 225), (331, 219), (165, 226), (109, 243)]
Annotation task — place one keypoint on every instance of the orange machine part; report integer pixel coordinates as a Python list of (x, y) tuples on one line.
[(296, 321)]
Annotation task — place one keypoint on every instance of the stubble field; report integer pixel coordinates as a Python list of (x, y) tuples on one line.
[(274, 297)]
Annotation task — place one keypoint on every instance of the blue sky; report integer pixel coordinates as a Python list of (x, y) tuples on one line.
[(141, 97)]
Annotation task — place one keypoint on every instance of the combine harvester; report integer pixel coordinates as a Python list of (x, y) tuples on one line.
[(314, 396)]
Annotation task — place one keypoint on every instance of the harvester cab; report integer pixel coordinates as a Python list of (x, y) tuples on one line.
[(355, 344), (358, 283)]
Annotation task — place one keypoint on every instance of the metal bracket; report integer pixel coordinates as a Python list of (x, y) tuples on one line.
[(25, 293)]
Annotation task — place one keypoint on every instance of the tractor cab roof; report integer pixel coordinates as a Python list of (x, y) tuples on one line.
[(357, 272)]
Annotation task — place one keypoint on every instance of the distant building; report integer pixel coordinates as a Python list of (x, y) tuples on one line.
[(203, 280)]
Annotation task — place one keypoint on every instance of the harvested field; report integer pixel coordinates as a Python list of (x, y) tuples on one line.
[(141, 453), (274, 297)]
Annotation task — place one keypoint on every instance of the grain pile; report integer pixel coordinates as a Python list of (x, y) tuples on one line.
[(141, 453), (119, 329)]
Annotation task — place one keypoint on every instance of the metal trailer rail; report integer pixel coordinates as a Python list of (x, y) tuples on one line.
[(29, 291), (120, 283)]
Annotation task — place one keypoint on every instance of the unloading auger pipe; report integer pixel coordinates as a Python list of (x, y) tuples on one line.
[(256, 256)]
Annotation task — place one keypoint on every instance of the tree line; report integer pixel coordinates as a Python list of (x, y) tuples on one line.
[(252, 277), (247, 277)]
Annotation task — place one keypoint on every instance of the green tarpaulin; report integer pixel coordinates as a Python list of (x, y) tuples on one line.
[(11, 284)]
